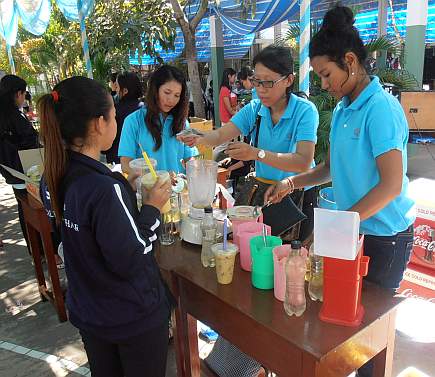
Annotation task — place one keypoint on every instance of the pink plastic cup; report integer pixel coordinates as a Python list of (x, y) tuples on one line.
[(236, 224), (245, 232), (280, 254)]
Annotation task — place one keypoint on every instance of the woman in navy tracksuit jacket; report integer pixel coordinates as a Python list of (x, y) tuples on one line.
[(115, 296)]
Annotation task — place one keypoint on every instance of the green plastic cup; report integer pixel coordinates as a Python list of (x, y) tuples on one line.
[(262, 261)]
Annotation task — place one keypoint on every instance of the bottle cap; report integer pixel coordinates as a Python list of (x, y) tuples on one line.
[(296, 244)]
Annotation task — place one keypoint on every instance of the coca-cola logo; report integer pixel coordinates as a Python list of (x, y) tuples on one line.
[(424, 243), (408, 293)]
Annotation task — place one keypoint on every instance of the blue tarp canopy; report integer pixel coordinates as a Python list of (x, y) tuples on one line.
[(238, 31), (35, 15), (367, 17), (236, 45), (267, 13)]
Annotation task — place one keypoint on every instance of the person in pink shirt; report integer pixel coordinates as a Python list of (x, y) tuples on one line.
[(227, 99)]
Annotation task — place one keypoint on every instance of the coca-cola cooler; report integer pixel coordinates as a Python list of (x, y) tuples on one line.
[(419, 277), (423, 253)]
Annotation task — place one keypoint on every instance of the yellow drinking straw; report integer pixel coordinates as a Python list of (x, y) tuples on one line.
[(148, 162)]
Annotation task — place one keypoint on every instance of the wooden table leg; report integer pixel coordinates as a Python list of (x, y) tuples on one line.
[(383, 361), (54, 278), (192, 335), (33, 236), (178, 331), (190, 339)]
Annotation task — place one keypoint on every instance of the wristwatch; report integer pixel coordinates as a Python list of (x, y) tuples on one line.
[(261, 154)]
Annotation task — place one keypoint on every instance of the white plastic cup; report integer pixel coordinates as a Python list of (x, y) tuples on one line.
[(224, 260)]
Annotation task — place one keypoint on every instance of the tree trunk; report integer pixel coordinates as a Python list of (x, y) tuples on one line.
[(188, 28), (195, 80)]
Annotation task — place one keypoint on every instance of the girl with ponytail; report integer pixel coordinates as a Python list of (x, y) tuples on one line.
[(115, 295)]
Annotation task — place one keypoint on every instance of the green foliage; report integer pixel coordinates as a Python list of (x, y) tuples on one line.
[(117, 28)]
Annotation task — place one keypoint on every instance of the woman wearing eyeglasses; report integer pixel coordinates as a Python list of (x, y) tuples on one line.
[(286, 126)]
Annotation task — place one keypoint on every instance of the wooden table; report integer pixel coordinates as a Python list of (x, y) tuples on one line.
[(255, 322), (38, 227)]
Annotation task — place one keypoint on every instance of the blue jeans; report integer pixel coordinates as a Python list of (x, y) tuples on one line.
[(388, 259)]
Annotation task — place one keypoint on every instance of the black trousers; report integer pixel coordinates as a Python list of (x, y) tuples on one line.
[(142, 355), (21, 217)]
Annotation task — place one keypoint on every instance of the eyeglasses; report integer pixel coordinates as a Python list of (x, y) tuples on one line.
[(265, 83)]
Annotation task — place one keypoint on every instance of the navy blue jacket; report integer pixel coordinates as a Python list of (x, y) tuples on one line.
[(114, 286)]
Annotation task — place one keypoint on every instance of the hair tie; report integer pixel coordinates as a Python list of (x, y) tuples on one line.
[(55, 96)]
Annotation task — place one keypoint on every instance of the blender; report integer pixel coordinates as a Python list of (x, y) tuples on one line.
[(201, 184)]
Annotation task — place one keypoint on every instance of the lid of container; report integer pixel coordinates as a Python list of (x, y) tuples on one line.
[(242, 213), (295, 244), (208, 210), (139, 163)]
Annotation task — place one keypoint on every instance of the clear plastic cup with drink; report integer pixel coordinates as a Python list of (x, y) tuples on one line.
[(149, 180), (140, 167), (224, 259)]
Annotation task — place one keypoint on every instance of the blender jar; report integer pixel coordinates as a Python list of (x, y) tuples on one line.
[(201, 182)]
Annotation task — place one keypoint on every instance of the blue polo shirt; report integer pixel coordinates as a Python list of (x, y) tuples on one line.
[(170, 153), (254, 93), (298, 123), (360, 132)]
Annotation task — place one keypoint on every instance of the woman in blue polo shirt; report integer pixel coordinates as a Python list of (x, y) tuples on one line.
[(286, 125), (155, 125), (367, 157)]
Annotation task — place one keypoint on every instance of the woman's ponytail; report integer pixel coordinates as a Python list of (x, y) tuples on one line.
[(55, 156), (65, 116)]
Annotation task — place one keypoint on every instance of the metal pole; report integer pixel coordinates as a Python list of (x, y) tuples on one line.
[(84, 38), (11, 59), (217, 62), (381, 56), (416, 22), (304, 59)]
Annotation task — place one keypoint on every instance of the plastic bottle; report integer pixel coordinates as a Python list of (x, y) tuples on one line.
[(315, 285), (308, 268), (294, 302), (208, 229)]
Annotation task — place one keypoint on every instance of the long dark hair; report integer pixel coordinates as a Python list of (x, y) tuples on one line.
[(131, 82), (159, 77), (65, 116), (278, 59), (225, 80), (245, 73), (338, 36), (10, 85)]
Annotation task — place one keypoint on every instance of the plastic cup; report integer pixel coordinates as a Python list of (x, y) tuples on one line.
[(326, 199), (262, 261), (139, 165), (224, 260), (280, 255), (236, 223), (245, 232), (148, 181)]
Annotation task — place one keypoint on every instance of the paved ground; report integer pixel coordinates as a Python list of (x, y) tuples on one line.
[(34, 343)]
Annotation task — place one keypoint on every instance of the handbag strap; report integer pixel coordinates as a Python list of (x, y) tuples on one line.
[(257, 126)]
